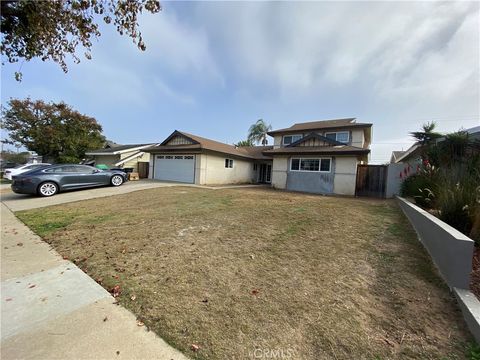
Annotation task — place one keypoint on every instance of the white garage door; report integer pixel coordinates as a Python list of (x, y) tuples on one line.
[(179, 168)]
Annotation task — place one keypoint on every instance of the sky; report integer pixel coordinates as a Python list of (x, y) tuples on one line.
[(214, 68)]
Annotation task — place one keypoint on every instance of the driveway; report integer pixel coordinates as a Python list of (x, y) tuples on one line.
[(18, 202)]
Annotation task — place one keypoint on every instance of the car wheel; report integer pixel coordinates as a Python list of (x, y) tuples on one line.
[(116, 180), (47, 189)]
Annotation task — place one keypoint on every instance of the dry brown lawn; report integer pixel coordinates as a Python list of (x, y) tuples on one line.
[(244, 273)]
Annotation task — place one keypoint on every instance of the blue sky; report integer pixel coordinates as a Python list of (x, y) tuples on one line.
[(214, 68)]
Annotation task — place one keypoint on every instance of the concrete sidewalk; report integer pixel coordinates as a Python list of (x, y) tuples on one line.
[(50, 309)]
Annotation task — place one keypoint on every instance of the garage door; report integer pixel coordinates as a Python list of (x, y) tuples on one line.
[(179, 168)]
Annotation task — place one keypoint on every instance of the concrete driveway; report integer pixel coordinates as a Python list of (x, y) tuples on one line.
[(18, 202)]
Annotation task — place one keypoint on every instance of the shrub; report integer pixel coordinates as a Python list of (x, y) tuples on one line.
[(421, 187), (458, 200)]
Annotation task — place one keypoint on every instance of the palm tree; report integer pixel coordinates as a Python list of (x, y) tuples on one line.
[(257, 133), (427, 136), (243, 143)]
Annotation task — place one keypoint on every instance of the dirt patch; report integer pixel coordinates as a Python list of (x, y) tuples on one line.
[(243, 273)]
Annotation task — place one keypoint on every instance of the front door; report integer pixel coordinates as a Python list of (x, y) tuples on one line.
[(265, 173)]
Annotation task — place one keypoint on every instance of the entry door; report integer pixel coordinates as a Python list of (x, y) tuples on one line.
[(180, 168), (265, 174)]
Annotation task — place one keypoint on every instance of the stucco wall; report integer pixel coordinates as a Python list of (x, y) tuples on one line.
[(108, 160), (215, 171), (277, 141), (358, 138), (345, 175), (451, 251), (279, 172)]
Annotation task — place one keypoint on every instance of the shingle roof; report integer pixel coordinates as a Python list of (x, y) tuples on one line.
[(325, 150), (201, 143), (322, 124)]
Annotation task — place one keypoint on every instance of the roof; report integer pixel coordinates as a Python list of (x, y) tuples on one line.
[(411, 151), (322, 124), (396, 155), (201, 143), (131, 157), (323, 150), (118, 149)]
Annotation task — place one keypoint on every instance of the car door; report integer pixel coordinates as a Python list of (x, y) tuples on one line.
[(64, 175), (88, 176)]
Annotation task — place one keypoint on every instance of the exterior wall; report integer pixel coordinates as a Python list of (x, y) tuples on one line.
[(179, 140), (345, 175), (279, 172), (215, 172), (357, 138), (450, 250), (133, 163), (108, 160), (394, 180), (277, 141)]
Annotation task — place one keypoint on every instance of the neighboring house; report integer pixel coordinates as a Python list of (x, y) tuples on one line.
[(411, 156), (122, 156), (395, 156), (319, 157)]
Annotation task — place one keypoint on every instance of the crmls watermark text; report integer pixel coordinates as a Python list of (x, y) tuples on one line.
[(287, 353)]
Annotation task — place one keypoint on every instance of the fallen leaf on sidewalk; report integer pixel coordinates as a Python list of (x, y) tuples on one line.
[(8, 299), (32, 286), (19, 244), (105, 318), (65, 257), (140, 323)]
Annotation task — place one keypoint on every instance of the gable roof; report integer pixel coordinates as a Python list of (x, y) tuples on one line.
[(118, 149), (323, 124), (315, 136), (396, 155), (200, 143)]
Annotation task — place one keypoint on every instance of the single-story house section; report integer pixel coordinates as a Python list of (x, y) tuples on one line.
[(320, 156), (122, 156), (188, 158)]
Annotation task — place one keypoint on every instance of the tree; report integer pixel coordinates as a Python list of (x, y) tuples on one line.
[(257, 133), (52, 130), (244, 143), (50, 30), (14, 157), (427, 136)]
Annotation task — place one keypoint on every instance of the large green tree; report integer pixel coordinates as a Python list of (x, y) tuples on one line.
[(257, 133), (53, 130), (50, 30)]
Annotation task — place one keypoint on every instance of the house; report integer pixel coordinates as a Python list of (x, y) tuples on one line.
[(188, 158), (122, 156), (318, 157), (395, 156)]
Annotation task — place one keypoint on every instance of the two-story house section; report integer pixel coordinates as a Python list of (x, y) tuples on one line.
[(319, 156)]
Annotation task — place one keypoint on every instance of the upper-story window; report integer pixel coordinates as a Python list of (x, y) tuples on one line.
[(289, 139), (342, 136)]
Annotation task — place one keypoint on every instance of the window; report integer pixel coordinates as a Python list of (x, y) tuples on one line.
[(322, 165), (188, 157), (228, 163), (178, 157), (160, 157), (169, 157), (342, 136), (289, 139), (254, 167)]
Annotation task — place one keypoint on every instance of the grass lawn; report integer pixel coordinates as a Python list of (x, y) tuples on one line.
[(249, 272)]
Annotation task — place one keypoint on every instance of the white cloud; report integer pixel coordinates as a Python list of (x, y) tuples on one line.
[(165, 90)]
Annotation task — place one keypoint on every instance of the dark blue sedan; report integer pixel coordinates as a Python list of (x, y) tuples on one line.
[(49, 180)]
